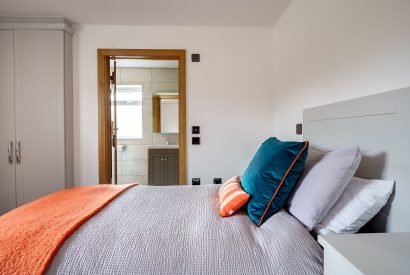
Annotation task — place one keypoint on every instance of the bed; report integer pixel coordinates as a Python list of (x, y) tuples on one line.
[(178, 230)]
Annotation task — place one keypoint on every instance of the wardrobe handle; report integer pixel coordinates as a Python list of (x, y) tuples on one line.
[(18, 152), (10, 152)]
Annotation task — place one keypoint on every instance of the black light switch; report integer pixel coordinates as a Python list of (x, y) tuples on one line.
[(195, 130), (196, 140), (299, 128), (196, 181), (217, 180), (196, 57)]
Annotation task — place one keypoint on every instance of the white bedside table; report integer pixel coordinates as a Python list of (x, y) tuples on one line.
[(375, 253)]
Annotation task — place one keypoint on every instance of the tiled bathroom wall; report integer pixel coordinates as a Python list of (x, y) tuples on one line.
[(133, 159)]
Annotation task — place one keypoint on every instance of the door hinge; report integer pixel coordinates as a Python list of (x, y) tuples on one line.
[(112, 78)]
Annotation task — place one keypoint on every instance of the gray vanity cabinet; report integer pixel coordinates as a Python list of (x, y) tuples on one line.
[(163, 166)]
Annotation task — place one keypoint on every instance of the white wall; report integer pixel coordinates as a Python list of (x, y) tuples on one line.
[(331, 50), (228, 92)]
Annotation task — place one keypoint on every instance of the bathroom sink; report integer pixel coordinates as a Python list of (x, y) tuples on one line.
[(163, 146)]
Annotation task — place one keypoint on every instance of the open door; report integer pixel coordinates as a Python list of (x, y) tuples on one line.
[(115, 98), (114, 128)]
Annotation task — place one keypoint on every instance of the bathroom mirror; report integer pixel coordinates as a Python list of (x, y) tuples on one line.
[(165, 113)]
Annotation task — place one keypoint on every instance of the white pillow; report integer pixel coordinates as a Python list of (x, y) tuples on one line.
[(359, 203), (322, 185)]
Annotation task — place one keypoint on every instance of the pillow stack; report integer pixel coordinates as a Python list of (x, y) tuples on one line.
[(328, 199), (322, 185)]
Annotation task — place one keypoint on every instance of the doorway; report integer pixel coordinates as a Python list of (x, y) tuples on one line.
[(142, 116)]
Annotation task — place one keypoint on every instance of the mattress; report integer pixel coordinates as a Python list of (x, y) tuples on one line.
[(178, 230)]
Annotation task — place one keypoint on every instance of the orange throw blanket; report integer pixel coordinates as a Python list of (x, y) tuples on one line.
[(31, 235)]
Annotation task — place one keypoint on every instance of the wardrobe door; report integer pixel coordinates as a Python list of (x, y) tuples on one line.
[(7, 130), (39, 86)]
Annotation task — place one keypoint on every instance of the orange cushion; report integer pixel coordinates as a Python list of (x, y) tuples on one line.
[(231, 197)]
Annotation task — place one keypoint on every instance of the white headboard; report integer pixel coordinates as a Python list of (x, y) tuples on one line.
[(380, 125)]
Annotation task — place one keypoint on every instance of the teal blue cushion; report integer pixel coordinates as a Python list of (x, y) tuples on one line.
[(271, 176)]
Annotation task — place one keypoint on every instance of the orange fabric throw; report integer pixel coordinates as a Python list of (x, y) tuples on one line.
[(31, 235)]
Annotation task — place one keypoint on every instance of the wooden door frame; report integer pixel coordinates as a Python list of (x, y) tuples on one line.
[(104, 121)]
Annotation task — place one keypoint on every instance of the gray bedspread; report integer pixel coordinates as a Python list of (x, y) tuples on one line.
[(178, 230)]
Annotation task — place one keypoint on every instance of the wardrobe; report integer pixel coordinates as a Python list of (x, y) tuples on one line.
[(36, 113)]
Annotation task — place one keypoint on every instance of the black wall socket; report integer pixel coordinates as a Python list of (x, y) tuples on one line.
[(217, 180), (196, 181), (196, 140)]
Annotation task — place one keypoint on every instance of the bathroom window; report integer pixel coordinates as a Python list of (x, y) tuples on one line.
[(129, 111)]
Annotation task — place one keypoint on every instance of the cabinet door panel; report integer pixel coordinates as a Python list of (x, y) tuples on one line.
[(39, 86), (156, 169), (7, 132), (171, 169)]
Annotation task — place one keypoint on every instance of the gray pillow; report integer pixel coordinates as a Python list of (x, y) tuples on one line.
[(322, 185), (314, 156)]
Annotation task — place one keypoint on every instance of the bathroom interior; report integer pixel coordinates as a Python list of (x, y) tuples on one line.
[(144, 105)]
